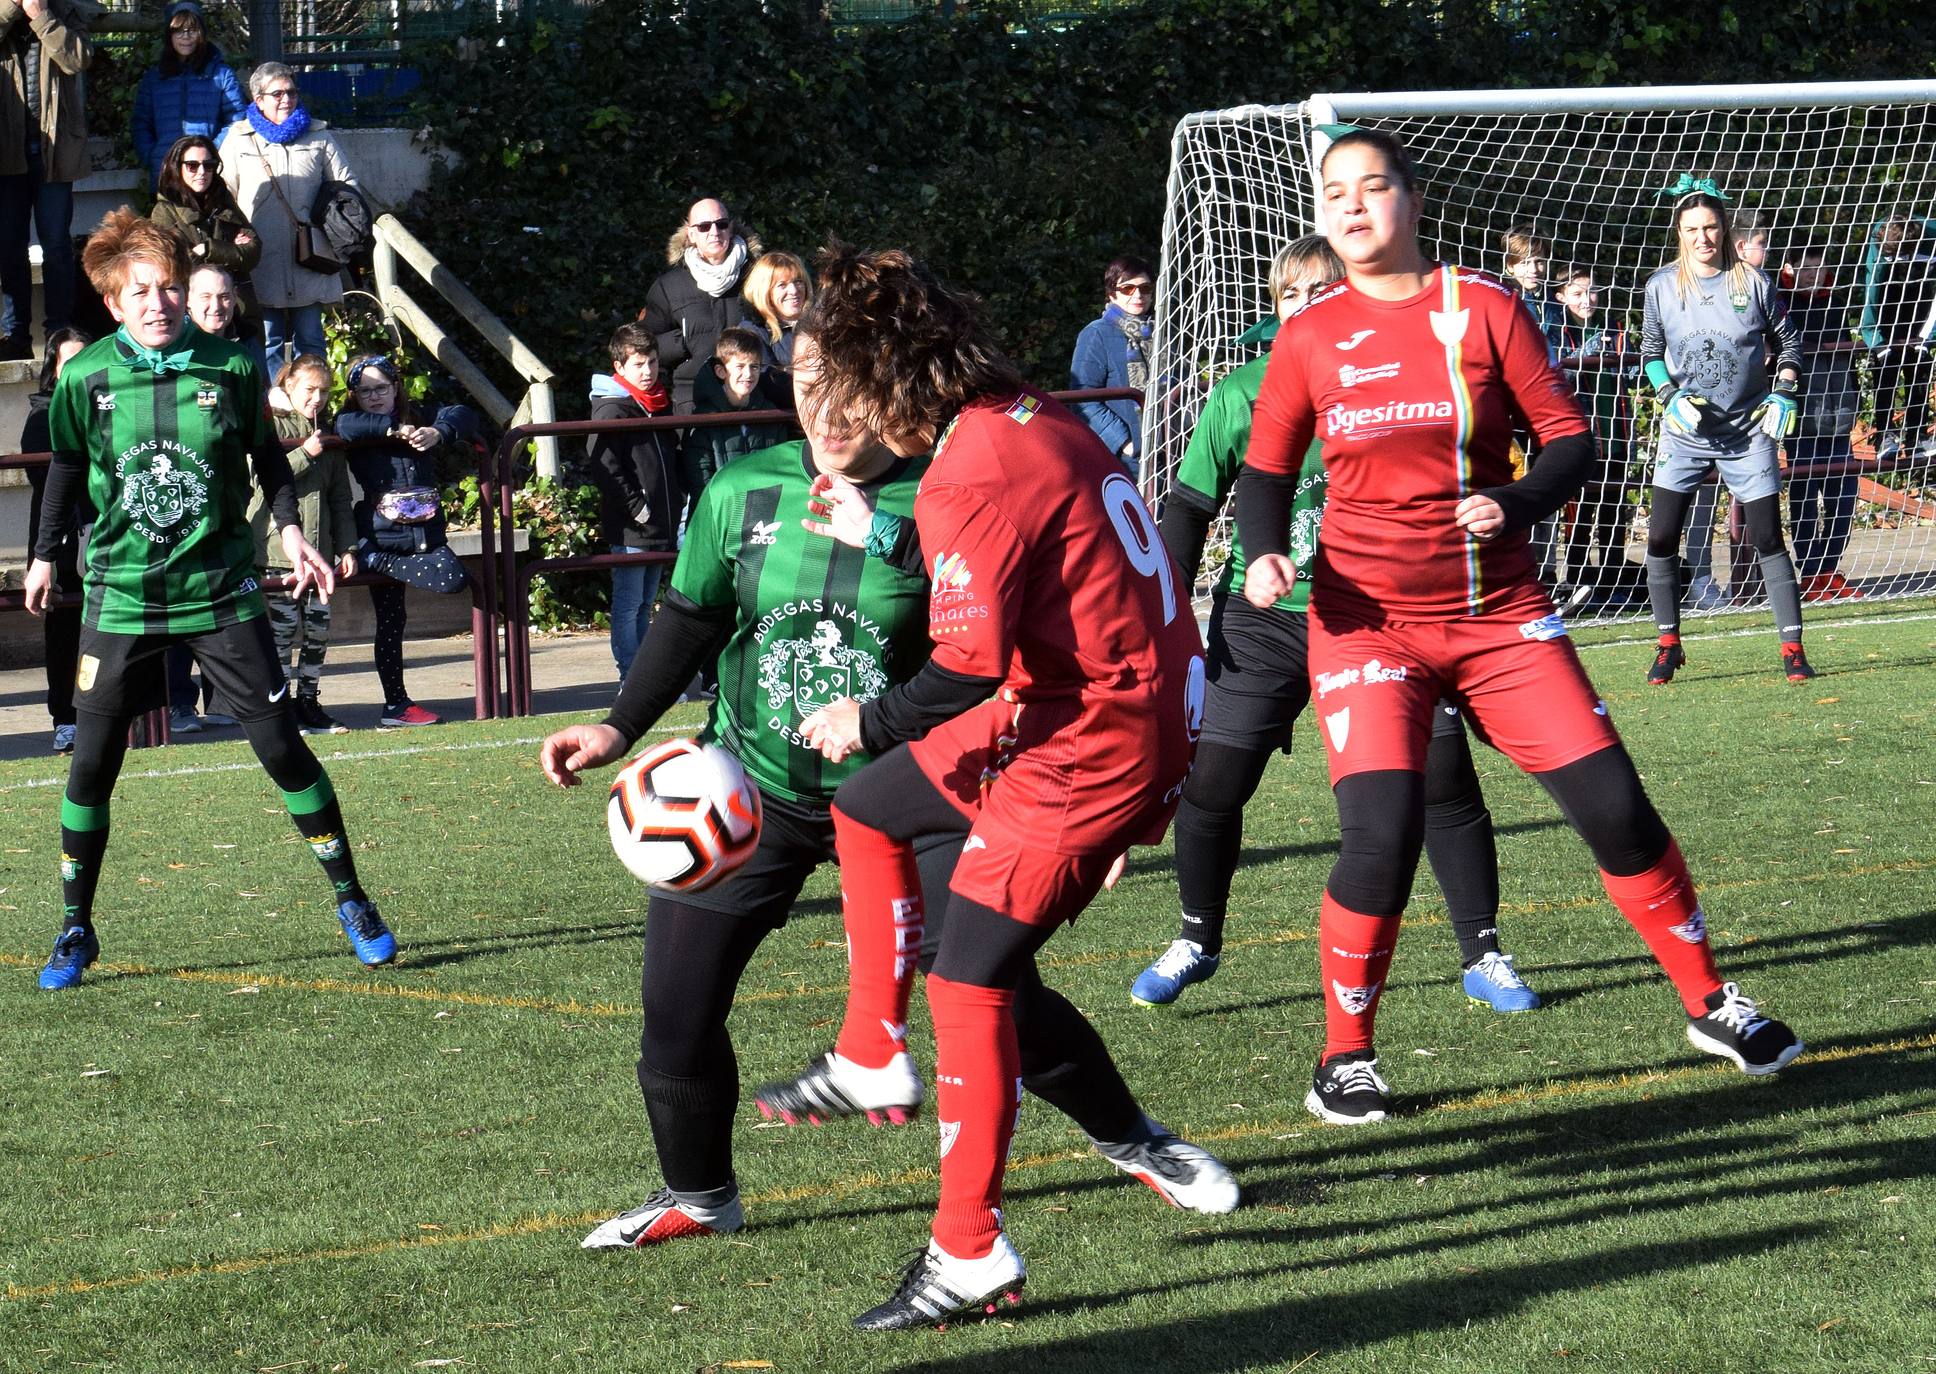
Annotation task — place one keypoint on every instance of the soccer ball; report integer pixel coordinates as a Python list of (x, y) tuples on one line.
[(683, 815)]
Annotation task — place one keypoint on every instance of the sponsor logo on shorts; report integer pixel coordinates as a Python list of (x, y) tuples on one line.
[(1546, 627), (1352, 376), (1354, 1001), (1338, 726), (1347, 345), (1023, 410), (85, 673), (1448, 326), (282, 690), (1691, 931), (1370, 673), (949, 1130)]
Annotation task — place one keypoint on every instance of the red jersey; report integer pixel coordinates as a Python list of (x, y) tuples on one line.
[(1414, 402), (1048, 573)]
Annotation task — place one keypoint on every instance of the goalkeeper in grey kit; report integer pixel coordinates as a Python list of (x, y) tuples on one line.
[(1711, 323)]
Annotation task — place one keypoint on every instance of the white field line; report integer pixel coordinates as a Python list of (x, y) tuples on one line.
[(1810, 625), (340, 756)]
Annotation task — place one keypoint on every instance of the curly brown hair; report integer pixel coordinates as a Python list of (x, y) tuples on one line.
[(124, 239), (896, 347)]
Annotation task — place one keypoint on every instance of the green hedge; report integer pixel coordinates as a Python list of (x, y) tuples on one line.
[(1016, 161)]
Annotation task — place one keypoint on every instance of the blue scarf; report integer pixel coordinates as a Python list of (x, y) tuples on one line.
[(288, 131), (139, 355)]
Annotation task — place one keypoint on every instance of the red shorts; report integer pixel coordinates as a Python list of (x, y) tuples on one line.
[(1373, 688)]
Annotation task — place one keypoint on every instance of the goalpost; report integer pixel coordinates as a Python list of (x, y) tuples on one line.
[(1823, 167)]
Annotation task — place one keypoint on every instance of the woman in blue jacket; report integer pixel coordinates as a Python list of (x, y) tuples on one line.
[(190, 91), (1114, 351)]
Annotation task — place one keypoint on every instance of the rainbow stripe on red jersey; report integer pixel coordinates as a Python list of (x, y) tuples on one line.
[(1414, 402)]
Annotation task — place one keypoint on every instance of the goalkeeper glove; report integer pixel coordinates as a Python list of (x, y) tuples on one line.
[(1682, 409), (1778, 413)]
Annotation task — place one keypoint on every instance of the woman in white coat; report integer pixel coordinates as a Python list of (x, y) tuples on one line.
[(276, 160)]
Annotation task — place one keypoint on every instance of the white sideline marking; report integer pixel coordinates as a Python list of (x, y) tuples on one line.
[(341, 756)]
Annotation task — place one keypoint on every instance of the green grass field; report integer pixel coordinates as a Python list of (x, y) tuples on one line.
[(233, 1149)]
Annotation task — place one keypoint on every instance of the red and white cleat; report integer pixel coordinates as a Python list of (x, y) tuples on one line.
[(660, 1218)]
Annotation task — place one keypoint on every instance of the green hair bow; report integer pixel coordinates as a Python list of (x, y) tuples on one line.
[(1688, 185), (1337, 131)]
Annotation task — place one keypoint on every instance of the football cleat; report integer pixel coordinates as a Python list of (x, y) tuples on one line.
[(1668, 658), (1347, 1091), (73, 952), (409, 714), (1494, 982), (1182, 964), (660, 1218), (1795, 663), (936, 1285), (1734, 1028), (831, 1087), (369, 937), (1183, 1175)]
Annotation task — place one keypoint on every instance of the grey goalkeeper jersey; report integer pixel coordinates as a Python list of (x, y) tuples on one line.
[(1716, 344)]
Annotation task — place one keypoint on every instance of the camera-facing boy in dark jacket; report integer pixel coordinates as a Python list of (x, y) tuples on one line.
[(731, 383), (637, 475)]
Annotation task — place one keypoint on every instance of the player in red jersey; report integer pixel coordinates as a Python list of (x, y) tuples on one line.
[(1057, 717), (1411, 372)]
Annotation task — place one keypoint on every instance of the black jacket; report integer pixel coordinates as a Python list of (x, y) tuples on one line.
[(688, 323), (634, 469)]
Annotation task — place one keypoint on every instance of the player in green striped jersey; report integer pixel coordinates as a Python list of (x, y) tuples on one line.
[(798, 620), (157, 428)]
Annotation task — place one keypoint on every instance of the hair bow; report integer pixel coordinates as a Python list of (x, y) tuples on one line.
[(1688, 186), (1337, 131), (381, 363)]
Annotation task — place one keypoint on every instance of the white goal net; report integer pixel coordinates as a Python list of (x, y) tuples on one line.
[(1837, 180)]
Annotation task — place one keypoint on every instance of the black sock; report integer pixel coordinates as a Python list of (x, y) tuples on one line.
[(1065, 1063), (1478, 937), (1210, 836), (692, 1129), (81, 851), (320, 819)]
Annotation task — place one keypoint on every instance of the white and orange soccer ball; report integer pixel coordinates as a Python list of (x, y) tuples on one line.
[(683, 815)]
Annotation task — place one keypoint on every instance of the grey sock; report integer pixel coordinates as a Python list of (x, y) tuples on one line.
[(1664, 592), (1146, 1132), (712, 1199), (1784, 596)]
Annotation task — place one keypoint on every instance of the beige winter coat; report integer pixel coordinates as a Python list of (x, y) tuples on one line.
[(65, 53), (299, 169)]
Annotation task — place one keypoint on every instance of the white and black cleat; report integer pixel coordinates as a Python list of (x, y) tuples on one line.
[(1347, 1091), (1734, 1028), (1183, 1175), (660, 1218), (937, 1286), (832, 1087)]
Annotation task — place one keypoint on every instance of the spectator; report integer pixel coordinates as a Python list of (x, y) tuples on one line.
[(213, 303), (1905, 311), (193, 200), (1113, 351), (637, 475), (301, 624), (191, 91), (1821, 505), (400, 518), (1595, 356), (690, 305), (61, 628), (731, 384), (1528, 257), (278, 160), (44, 48), (778, 288)]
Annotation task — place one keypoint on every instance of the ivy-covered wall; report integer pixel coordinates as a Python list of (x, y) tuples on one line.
[(1017, 162)]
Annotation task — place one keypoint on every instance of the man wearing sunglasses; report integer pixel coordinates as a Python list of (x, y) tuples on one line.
[(697, 298)]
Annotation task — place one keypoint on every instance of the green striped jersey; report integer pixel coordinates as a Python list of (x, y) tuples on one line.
[(813, 620), (1215, 456), (167, 457)]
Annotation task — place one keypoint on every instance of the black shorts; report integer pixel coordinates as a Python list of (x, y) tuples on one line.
[(795, 839), (1255, 679), (126, 675), (1258, 684)]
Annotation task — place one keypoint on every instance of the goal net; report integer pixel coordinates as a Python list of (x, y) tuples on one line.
[(1838, 180)]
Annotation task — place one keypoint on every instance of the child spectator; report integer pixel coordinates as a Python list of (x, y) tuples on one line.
[(1595, 356), (730, 384), (637, 475), (324, 500), (400, 518), (1821, 505), (1905, 303), (1528, 255)]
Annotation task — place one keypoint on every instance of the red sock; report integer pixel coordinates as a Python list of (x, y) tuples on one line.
[(880, 904), (1661, 905), (1354, 954), (977, 1096)]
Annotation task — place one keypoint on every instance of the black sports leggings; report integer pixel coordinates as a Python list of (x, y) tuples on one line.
[(101, 747), (1669, 514)]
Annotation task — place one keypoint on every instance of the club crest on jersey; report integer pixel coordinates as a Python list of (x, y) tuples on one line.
[(1691, 931), (163, 499), (1338, 726), (1448, 326), (817, 671), (1353, 1001), (207, 397), (1352, 376), (1305, 526), (1023, 410)]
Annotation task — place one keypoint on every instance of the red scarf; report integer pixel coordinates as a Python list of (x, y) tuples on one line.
[(655, 400)]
